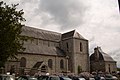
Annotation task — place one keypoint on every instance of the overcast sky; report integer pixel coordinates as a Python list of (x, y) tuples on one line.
[(96, 20)]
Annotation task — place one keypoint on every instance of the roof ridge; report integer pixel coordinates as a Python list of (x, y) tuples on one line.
[(41, 29)]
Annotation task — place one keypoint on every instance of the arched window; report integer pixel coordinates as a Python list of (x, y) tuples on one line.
[(109, 68), (23, 62), (81, 47), (61, 64), (50, 63)]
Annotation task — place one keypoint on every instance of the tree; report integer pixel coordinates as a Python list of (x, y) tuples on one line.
[(11, 42), (118, 69)]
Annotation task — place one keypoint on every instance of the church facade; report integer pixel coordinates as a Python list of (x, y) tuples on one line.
[(51, 52)]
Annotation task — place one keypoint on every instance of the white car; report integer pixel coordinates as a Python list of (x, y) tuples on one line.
[(81, 78), (102, 78), (114, 77), (91, 78), (6, 77)]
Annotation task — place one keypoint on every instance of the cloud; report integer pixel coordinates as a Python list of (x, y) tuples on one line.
[(66, 13), (116, 54)]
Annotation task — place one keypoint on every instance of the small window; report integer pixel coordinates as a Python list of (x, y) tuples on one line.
[(81, 47), (50, 62), (61, 64), (40, 42), (32, 40), (36, 41), (109, 67), (48, 44), (67, 46)]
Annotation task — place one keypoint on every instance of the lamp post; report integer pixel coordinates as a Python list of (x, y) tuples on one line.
[(67, 57)]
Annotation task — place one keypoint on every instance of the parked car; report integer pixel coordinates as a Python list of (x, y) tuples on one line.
[(81, 78), (114, 77), (102, 78), (6, 77), (50, 78), (92, 78), (110, 77), (66, 78), (43, 77), (77, 78), (26, 78)]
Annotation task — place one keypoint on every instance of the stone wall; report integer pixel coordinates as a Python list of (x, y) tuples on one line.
[(110, 67), (76, 57), (81, 55), (97, 66), (69, 52), (32, 59)]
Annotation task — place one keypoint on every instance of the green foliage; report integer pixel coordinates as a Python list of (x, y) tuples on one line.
[(79, 69), (118, 69), (11, 42)]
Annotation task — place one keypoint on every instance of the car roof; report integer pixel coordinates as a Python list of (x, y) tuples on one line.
[(5, 75)]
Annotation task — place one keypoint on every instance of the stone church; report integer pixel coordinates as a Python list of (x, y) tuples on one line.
[(51, 52), (101, 61)]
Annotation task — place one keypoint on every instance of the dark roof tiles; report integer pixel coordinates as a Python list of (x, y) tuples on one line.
[(37, 49), (105, 56), (72, 34), (41, 34)]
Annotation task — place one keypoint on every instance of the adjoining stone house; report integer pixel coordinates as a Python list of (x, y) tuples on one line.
[(100, 61), (52, 52)]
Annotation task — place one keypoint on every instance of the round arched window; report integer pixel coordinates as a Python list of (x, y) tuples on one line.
[(50, 62), (23, 62), (61, 64)]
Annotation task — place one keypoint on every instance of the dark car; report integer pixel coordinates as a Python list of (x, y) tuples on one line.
[(26, 78), (50, 78)]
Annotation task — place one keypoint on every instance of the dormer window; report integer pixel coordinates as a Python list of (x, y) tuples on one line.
[(81, 47)]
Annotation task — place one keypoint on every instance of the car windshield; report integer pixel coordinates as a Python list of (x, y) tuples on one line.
[(22, 78), (66, 78), (54, 78), (108, 75), (43, 78), (81, 78), (32, 78), (92, 79)]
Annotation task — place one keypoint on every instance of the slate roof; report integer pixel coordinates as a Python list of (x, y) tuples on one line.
[(102, 55), (105, 55), (72, 34), (45, 50), (41, 34)]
